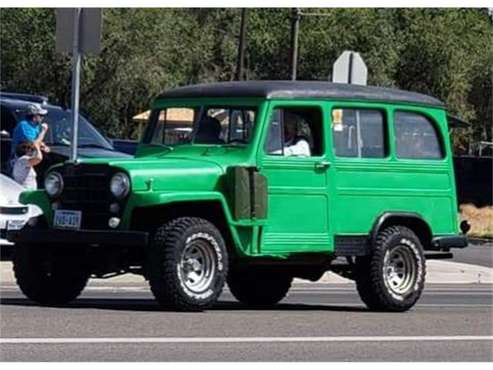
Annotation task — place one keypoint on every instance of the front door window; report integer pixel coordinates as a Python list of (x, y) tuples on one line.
[(295, 132)]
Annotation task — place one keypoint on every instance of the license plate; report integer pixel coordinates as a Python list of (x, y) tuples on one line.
[(15, 224), (67, 219)]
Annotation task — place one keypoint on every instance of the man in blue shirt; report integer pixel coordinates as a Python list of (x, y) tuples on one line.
[(29, 128)]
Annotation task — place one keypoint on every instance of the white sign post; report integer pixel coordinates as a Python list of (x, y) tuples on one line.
[(78, 31), (350, 68)]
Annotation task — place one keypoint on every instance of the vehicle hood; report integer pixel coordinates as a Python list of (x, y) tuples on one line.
[(171, 173), (9, 196), (89, 152)]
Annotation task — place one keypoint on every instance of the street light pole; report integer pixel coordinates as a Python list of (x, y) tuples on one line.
[(241, 47), (76, 61), (295, 28)]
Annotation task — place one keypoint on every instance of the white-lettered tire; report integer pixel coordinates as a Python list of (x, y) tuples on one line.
[(392, 278), (187, 264), (50, 275)]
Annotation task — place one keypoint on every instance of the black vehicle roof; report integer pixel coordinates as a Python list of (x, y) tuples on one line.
[(299, 89), (20, 105)]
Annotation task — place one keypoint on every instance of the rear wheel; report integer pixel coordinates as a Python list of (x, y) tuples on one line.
[(50, 275), (187, 264), (392, 278), (258, 287)]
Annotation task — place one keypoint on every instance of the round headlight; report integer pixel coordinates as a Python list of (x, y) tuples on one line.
[(54, 184), (120, 185)]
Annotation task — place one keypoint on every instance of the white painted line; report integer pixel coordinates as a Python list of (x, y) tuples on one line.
[(246, 339), (303, 292)]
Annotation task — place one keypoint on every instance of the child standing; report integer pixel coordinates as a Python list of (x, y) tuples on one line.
[(28, 155)]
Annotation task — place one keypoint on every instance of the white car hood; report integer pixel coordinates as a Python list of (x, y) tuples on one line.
[(9, 195)]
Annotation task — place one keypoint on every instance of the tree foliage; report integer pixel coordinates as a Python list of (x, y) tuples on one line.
[(447, 53)]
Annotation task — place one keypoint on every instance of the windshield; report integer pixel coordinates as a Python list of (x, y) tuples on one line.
[(214, 125), (60, 130)]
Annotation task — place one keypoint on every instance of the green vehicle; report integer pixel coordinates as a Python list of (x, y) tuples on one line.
[(254, 184)]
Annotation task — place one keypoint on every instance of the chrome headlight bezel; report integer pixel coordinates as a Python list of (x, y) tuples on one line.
[(53, 184), (120, 185)]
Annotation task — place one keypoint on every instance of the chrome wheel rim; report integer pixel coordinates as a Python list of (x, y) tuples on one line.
[(400, 269), (197, 266)]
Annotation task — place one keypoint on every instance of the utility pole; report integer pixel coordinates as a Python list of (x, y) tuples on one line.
[(241, 47), (76, 61), (295, 28)]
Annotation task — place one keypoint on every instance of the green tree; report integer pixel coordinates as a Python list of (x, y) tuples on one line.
[(447, 53)]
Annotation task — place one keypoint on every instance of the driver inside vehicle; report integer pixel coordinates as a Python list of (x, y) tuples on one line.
[(295, 144), (209, 131)]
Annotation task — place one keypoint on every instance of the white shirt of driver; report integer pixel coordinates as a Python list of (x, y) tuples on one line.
[(299, 148)]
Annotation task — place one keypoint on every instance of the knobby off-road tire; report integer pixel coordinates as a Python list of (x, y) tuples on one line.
[(258, 287), (392, 278), (50, 275), (187, 264)]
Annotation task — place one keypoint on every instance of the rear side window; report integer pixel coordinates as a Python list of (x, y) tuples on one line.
[(359, 133), (416, 137), (7, 121)]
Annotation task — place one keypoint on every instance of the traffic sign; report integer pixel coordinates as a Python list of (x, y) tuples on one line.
[(78, 31), (89, 26), (350, 68)]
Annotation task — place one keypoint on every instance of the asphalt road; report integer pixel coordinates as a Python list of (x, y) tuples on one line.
[(476, 254), (316, 322)]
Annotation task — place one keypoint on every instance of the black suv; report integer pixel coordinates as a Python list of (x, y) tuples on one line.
[(91, 142)]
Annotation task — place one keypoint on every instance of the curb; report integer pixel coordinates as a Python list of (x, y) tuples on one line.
[(438, 272)]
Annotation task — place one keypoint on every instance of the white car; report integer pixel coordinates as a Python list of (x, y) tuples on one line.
[(13, 215)]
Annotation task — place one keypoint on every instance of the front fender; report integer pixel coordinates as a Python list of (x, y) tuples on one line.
[(152, 199), (40, 199), (148, 199)]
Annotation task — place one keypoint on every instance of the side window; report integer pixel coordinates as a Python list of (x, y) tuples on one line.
[(416, 137), (7, 121), (295, 132), (359, 133)]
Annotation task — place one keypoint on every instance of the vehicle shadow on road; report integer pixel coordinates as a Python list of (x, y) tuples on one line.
[(149, 305)]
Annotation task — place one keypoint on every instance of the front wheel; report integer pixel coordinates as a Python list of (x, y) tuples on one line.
[(51, 275), (392, 278), (187, 264)]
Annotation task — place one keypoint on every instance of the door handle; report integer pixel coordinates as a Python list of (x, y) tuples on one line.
[(322, 165)]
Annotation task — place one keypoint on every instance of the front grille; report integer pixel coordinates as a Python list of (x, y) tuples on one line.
[(13, 210), (86, 189)]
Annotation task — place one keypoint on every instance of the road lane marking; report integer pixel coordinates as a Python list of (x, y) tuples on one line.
[(172, 340), (486, 293)]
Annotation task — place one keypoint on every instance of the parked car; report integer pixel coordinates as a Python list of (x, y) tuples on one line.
[(92, 144), (13, 215), (255, 183)]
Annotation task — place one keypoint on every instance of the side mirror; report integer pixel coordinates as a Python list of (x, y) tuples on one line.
[(4, 134)]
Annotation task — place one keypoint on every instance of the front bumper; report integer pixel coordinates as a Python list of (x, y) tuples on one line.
[(91, 237)]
